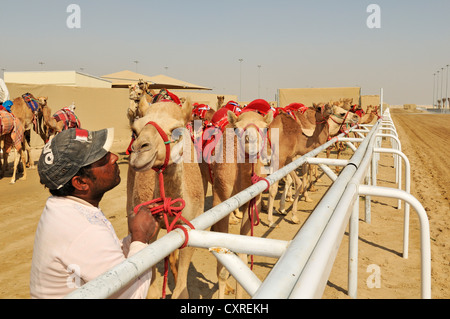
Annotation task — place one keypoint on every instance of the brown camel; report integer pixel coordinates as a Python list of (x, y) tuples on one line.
[(371, 114), (50, 126), (12, 137), (28, 118), (140, 96), (339, 118), (232, 173), (149, 151), (220, 101), (345, 103), (297, 140), (340, 121)]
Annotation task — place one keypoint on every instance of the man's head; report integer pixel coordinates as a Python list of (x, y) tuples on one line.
[(77, 153)]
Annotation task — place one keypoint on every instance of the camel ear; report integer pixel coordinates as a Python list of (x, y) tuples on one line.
[(268, 118), (232, 118)]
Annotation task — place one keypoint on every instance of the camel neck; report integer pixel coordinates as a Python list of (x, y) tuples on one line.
[(173, 180)]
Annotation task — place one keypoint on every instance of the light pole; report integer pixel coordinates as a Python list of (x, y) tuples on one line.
[(259, 81), (446, 87), (434, 86), (437, 91), (42, 65), (442, 89), (240, 78), (136, 62)]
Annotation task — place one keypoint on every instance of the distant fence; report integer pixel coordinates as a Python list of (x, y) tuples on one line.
[(308, 258)]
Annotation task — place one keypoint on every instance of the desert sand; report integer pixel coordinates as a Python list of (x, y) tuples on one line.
[(423, 138)]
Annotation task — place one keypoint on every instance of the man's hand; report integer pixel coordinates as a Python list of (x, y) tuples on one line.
[(142, 225)]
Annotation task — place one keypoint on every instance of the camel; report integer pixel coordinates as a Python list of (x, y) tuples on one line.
[(149, 151), (140, 96), (29, 118), (296, 139), (345, 103), (231, 173), (220, 101), (50, 126), (371, 114), (339, 121), (12, 137)]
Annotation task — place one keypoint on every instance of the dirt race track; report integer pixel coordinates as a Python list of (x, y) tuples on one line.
[(424, 139)]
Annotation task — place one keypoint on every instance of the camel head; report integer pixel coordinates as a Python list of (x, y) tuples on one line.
[(323, 111), (340, 118), (137, 91), (220, 100), (251, 130), (149, 148), (42, 100)]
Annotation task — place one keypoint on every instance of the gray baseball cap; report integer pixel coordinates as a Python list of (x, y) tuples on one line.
[(64, 155)]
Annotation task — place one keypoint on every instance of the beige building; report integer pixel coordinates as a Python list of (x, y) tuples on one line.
[(64, 78)]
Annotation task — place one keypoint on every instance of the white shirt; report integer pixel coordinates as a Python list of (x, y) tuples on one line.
[(74, 244), (4, 93)]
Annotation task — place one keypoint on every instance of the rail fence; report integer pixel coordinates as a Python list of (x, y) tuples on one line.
[(305, 262)]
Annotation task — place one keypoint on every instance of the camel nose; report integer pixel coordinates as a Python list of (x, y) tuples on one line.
[(139, 146)]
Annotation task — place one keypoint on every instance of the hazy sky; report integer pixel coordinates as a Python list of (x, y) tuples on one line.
[(297, 43)]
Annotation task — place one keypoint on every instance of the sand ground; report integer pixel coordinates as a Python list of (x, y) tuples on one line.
[(423, 137)]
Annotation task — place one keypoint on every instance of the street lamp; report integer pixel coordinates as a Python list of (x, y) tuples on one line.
[(446, 88), (437, 91), (434, 86), (259, 80), (240, 78), (442, 89), (136, 62)]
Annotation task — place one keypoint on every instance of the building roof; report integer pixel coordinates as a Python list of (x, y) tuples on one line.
[(125, 78)]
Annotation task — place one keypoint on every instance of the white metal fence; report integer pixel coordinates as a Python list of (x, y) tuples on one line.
[(305, 262)]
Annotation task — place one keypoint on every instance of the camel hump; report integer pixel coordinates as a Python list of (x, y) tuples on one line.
[(30, 100), (307, 127)]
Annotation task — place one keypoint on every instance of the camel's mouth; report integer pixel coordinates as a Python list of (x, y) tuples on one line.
[(143, 161)]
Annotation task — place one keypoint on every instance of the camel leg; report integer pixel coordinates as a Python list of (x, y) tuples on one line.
[(285, 196), (311, 170), (221, 192), (181, 291), (272, 193), (173, 262), (338, 154), (290, 180), (305, 183), (300, 188), (22, 157), (30, 163), (245, 230), (16, 163), (222, 272)]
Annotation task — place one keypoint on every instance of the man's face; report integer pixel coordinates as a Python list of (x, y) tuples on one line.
[(106, 173)]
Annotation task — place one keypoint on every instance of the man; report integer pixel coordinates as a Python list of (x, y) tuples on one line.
[(5, 103), (74, 241)]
